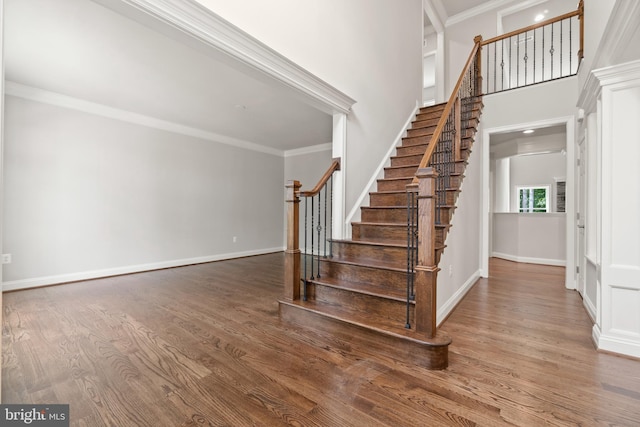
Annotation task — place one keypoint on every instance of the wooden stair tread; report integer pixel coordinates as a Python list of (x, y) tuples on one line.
[(371, 243), (367, 263), (362, 320), (370, 289)]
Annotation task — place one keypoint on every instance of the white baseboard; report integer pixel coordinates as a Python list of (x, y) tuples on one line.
[(96, 274), (617, 345), (455, 299), (590, 307), (528, 260)]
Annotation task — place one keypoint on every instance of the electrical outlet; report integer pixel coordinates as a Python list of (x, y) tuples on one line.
[(6, 258), (450, 270), (235, 239)]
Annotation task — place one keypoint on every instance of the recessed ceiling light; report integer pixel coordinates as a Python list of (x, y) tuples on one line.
[(528, 131), (539, 17)]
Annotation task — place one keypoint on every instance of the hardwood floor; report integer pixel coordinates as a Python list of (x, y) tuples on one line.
[(204, 345)]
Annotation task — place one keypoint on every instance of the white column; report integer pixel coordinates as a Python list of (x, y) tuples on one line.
[(339, 189), (618, 329)]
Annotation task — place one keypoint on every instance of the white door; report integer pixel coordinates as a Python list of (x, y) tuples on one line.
[(581, 197)]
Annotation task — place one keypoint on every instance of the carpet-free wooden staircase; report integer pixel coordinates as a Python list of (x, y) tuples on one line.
[(360, 292)]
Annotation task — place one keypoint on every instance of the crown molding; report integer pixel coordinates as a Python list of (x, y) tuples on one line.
[(622, 25), (221, 37), (308, 150), (64, 101), (478, 10)]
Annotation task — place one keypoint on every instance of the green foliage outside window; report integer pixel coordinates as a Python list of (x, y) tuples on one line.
[(533, 199)]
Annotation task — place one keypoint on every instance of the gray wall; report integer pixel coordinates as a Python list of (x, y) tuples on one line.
[(87, 196)]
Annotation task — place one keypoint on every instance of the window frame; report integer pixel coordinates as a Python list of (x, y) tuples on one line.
[(532, 189)]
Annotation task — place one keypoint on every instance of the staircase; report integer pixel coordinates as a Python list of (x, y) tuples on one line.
[(360, 292)]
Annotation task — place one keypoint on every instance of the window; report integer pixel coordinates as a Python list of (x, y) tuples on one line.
[(533, 199)]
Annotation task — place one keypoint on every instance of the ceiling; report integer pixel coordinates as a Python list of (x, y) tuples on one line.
[(81, 49), (516, 13)]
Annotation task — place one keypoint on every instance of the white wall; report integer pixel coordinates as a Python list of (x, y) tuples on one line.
[(369, 49), (536, 170), (87, 196), (460, 262), (530, 237)]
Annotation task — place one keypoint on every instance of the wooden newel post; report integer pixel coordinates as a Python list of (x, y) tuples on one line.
[(426, 269), (478, 82), (292, 253)]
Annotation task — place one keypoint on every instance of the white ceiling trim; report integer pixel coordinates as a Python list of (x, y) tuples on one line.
[(478, 10), (64, 101), (435, 12), (309, 150), (203, 25)]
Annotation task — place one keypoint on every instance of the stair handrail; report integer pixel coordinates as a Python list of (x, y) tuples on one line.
[(424, 192), (292, 260), (335, 166), (474, 58)]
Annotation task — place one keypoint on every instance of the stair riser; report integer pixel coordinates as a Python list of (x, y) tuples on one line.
[(410, 171), (392, 279), (382, 233), (411, 150), (401, 172), (387, 254), (407, 160), (398, 215), (400, 199), (410, 140), (388, 199), (394, 184), (445, 215), (394, 311), (431, 115), (421, 131), (426, 122)]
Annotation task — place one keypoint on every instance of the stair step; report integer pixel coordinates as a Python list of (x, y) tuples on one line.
[(409, 171), (412, 149), (422, 130), (371, 252), (362, 298), (393, 184), (368, 334), (399, 198), (425, 122), (389, 232), (406, 160), (395, 214), (389, 276)]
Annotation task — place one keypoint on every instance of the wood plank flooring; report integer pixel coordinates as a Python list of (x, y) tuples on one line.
[(203, 345)]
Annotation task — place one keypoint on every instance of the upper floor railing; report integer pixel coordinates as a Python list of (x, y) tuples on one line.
[(546, 51)]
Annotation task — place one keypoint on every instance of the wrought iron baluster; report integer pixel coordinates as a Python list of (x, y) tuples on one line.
[(306, 222), (561, 40), (526, 57), (319, 228), (312, 243), (502, 64), (551, 51), (331, 220)]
